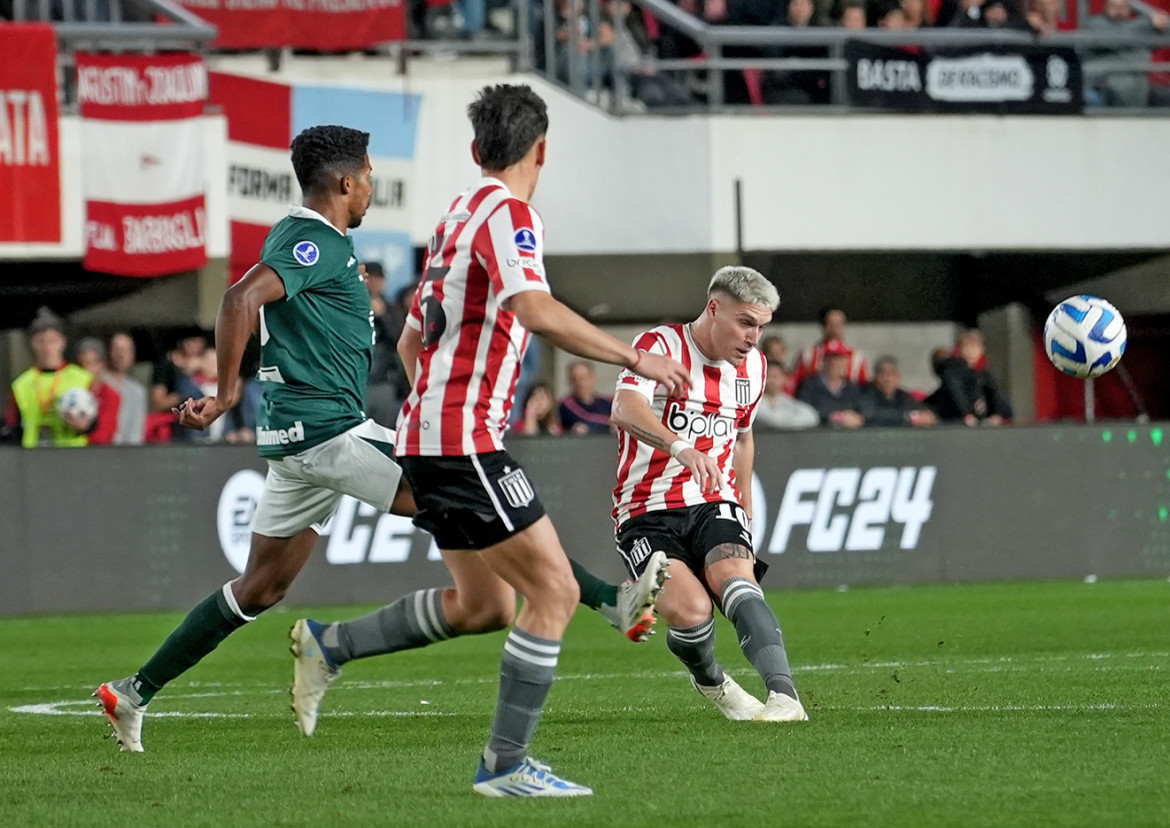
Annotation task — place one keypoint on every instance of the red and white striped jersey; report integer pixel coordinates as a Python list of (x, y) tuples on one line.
[(720, 404), (486, 249), (813, 357)]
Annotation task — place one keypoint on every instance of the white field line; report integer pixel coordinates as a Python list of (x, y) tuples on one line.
[(948, 665), (73, 707), (87, 708)]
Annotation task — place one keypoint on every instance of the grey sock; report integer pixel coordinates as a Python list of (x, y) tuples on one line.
[(695, 647), (526, 675), (759, 633), (414, 620)]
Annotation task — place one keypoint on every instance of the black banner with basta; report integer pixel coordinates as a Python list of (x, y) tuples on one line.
[(998, 79)]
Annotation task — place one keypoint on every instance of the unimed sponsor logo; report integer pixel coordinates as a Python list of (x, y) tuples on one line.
[(280, 436), (358, 533), (854, 510)]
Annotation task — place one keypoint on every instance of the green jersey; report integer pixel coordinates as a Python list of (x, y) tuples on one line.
[(317, 342)]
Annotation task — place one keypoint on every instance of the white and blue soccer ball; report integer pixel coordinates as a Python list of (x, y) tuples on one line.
[(77, 402), (1084, 336)]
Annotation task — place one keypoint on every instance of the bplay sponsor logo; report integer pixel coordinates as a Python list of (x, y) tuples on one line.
[(358, 533), (691, 424)]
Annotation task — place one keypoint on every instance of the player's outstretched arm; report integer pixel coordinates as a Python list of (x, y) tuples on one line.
[(632, 414), (239, 314), (552, 320)]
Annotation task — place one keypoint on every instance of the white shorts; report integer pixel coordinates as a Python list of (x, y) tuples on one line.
[(302, 490)]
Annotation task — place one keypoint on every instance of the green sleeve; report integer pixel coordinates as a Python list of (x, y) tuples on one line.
[(304, 259)]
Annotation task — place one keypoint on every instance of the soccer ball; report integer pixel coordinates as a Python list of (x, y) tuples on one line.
[(78, 403), (1084, 336)]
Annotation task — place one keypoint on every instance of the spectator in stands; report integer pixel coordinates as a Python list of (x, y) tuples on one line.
[(132, 410), (583, 411), (774, 349), (592, 59), (202, 380), (633, 43), (888, 14), (989, 14), (387, 377), (915, 13), (167, 373), (1048, 16), (791, 86), (836, 398), (777, 410), (1125, 88), (91, 355), (885, 403), (540, 411), (967, 392), (852, 15), (32, 416), (833, 321)]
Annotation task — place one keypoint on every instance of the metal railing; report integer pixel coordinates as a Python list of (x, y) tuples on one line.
[(118, 25), (708, 68)]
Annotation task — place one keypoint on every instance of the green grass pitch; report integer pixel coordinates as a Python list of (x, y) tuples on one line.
[(1025, 704)]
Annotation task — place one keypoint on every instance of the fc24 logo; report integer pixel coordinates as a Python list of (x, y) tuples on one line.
[(847, 510)]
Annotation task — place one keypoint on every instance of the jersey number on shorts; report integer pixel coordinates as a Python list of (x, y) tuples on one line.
[(728, 511)]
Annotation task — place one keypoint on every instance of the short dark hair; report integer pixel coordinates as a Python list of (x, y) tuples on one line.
[(824, 312), (507, 120), (321, 154), (884, 361)]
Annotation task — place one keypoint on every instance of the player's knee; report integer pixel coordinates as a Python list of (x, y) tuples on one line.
[(686, 611), (489, 617), (255, 597), (557, 595)]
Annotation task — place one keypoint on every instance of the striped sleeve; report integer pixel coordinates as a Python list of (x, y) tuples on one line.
[(510, 246), (652, 342)]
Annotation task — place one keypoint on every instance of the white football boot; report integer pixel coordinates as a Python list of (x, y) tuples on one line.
[(732, 700), (125, 717), (529, 778), (781, 708), (312, 674), (634, 614)]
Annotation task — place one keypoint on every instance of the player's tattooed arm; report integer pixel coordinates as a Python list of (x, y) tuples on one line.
[(729, 551), (647, 437), (632, 414)]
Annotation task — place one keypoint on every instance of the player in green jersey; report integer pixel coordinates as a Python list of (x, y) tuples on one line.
[(308, 300)]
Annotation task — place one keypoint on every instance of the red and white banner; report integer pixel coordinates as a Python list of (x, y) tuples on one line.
[(324, 25), (30, 171), (143, 176)]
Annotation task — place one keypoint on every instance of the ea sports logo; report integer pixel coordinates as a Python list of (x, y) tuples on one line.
[(691, 425), (306, 253), (233, 519)]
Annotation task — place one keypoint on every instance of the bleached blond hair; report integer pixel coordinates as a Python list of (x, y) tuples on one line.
[(746, 285)]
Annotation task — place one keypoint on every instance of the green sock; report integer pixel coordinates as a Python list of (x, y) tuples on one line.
[(210, 622), (594, 591)]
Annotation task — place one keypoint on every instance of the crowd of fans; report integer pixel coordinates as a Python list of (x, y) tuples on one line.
[(601, 45), (828, 384)]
